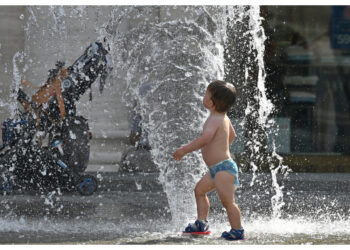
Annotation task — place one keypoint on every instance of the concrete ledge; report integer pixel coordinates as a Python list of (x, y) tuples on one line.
[(314, 163), (110, 168), (105, 158), (139, 182), (318, 163)]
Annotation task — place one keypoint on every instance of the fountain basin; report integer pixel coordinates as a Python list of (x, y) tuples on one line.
[(133, 209)]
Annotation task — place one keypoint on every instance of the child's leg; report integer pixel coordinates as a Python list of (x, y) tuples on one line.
[(224, 183), (205, 185)]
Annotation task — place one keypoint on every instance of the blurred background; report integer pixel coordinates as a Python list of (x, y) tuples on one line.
[(308, 64), (307, 59)]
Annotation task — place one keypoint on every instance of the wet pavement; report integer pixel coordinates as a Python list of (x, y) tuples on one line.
[(133, 209)]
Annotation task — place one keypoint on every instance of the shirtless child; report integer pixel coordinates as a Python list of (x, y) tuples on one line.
[(214, 142)]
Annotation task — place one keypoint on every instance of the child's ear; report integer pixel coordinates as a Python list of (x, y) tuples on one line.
[(211, 103)]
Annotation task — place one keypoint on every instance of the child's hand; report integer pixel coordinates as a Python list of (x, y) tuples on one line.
[(179, 153)]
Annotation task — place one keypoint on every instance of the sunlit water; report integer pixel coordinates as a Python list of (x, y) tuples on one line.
[(259, 231), (179, 57)]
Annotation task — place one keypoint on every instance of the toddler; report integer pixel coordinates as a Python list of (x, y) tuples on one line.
[(218, 134)]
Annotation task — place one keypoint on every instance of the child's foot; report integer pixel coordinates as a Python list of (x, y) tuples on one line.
[(197, 226), (234, 234)]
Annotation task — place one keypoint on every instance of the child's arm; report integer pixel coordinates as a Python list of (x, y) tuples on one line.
[(205, 138), (232, 134)]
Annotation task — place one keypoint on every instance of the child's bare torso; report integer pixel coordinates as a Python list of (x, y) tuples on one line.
[(217, 149)]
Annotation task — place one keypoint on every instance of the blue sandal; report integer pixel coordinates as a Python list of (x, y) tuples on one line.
[(197, 226), (234, 234)]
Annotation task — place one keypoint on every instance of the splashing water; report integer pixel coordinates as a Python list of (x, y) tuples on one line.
[(178, 57), (245, 63), (266, 107), (16, 61)]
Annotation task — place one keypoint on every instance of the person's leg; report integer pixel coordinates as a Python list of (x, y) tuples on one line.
[(224, 184), (205, 185)]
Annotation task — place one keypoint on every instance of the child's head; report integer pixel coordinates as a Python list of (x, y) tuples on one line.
[(223, 95)]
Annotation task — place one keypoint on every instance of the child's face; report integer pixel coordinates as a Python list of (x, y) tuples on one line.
[(207, 102)]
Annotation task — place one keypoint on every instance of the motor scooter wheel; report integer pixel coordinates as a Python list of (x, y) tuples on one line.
[(5, 187), (87, 185)]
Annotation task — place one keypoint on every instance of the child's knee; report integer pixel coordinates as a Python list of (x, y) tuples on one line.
[(227, 203), (198, 192)]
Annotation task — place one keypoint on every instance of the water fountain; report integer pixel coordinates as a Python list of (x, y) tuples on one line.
[(179, 57), (179, 50)]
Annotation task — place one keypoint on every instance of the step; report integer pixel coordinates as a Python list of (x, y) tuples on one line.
[(128, 182)]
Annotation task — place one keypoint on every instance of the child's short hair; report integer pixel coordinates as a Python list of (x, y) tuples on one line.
[(223, 95)]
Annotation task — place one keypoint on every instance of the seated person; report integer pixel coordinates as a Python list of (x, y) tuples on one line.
[(138, 158)]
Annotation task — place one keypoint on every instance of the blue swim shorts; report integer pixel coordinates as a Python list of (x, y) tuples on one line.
[(226, 165)]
